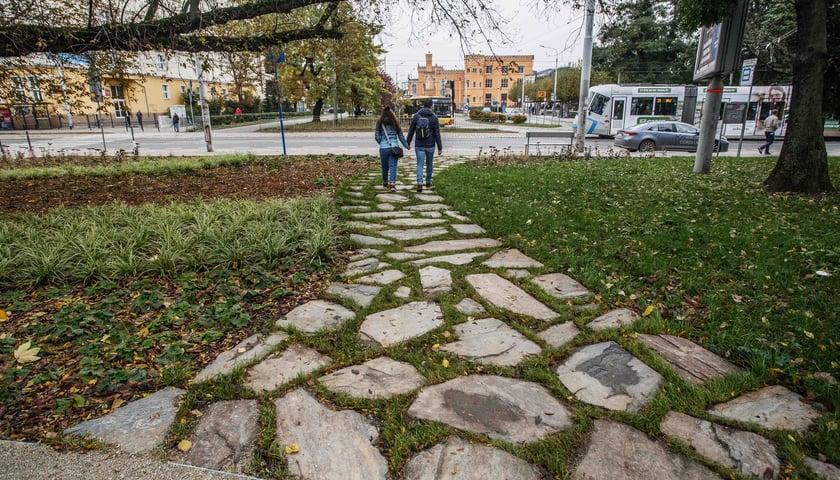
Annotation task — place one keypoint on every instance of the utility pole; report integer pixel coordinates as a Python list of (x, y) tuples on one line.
[(554, 92), (202, 99), (711, 110), (585, 70)]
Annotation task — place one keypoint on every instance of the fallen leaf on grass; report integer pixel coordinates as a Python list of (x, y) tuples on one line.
[(648, 311), (26, 353)]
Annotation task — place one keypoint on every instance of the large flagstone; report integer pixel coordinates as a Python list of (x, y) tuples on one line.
[(403, 323), (414, 233), (435, 281), (561, 286), (330, 444), (225, 436), (414, 222), (381, 377), (491, 341), (499, 407), (773, 407), (453, 245), (252, 348), (278, 370), (315, 316), (692, 362), (454, 259), (619, 452), (382, 278), (607, 375), (363, 295), (136, 427), (512, 258), (504, 294), (457, 459), (368, 240)]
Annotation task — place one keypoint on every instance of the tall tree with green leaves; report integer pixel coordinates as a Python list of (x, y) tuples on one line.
[(802, 166), (643, 43)]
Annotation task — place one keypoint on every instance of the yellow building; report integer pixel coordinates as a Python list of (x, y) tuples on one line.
[(488, 78), (50, 92), (434, 81)]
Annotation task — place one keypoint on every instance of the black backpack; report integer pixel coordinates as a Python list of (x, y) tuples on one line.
[(423, 129)]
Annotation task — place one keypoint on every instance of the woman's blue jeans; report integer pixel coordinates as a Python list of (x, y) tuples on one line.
[(389, 165), (425, 158)]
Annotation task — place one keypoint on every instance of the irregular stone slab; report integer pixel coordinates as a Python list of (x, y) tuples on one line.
[(825, 471), (499, 407), (358, 208), (607, 375), (391, 197), (275, 371), (431, 214), (363, 253), (619, 452), (315, 316), (561, 286), (428, 198), (425, 207), (363, 295), (364, 225), (415, 233), (435, 281), (252, 348), (560, 334), (382, 278), (503, 294), (512, 258), (745, 452), (415, 222), (364, 265), (491, 341), (773, 407), (468, 306), (136, 427), (454, 245), (403, 323), (613, 319), (332, 444), (402, 292), (455, 259), (468, 229), (400, 256), (692, 362), (368, 240), (468, 461), (517, 273), (456, 216), (381, 377), (357, 188), (372, 215), (354, 194), (225, 436), (388, 207)]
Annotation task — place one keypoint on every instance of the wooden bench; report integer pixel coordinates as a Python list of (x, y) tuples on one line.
[(551, 137)]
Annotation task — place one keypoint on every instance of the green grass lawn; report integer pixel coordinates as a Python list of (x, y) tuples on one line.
[(752, 276)]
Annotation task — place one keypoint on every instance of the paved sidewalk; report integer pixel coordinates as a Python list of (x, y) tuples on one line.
[(403, 237)]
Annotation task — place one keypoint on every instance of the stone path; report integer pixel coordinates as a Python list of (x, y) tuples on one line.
[(422, 270)]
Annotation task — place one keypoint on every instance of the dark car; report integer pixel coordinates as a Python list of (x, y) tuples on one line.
[(647, 137)]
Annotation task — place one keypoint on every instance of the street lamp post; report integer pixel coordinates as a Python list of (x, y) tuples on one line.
[(554, 92)]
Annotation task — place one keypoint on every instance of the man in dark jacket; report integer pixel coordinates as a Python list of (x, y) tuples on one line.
[(425, 125)]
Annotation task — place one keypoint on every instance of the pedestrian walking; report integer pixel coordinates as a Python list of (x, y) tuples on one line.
[(176, 120), (127, 115), (139, 116), (387, 134), (426, 126), (771, 124)]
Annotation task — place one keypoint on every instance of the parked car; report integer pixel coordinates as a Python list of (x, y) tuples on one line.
[(486, 110), (513, 112), (647, 137)]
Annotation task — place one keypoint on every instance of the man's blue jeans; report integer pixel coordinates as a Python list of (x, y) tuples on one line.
[(389, 165), (425, 158)]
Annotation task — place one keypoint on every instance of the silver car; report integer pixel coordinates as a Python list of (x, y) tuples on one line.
[(647, 137)]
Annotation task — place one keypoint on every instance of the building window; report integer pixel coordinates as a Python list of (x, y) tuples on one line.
[(504, 83), (504, 97), (504, 70), (488, 98), (20, 87), (183, 89), (488, 83), (35, 89), (165, 91), (224, 93), (474, 100), (521, 69), (161, 62), (474, 85), (488, 69)]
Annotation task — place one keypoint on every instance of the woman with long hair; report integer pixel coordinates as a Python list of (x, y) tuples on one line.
[(388, 135)]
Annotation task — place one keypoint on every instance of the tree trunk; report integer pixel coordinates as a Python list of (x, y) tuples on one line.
[(316, 110), (802, 166)]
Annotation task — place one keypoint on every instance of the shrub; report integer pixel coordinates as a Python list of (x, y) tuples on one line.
[(519, 119)]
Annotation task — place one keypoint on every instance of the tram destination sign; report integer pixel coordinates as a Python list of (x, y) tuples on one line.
[(720, 45)]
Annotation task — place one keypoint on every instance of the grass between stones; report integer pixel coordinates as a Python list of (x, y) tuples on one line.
[(720, 261), (710, 257)]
